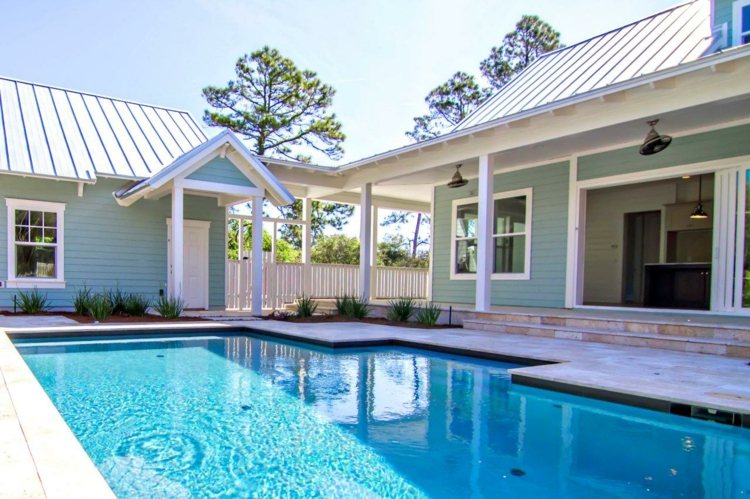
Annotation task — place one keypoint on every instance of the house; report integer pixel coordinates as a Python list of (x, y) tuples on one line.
[(559, 209)]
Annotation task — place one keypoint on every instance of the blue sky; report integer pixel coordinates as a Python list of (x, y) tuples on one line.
[(382, 57)]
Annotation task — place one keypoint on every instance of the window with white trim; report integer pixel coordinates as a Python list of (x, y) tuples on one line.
[(465, 218), (511, 236), (512, 226), (35, 243), (741, 22)]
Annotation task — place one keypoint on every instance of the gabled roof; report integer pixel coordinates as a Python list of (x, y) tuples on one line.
[(53, 132), (668, 39), (216, 146)]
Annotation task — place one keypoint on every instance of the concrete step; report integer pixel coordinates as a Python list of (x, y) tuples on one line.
[(688, 328), (694, 344)]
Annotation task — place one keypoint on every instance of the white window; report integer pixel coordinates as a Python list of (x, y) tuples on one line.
[(464, 238), (741, 22), (511, 236), (35, 244)]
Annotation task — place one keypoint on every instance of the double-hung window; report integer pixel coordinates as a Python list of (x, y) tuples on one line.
[(35, 243), (741, 22), (511, 236), (464, 249)]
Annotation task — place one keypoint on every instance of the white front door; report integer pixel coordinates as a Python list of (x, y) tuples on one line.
[(195, 262)]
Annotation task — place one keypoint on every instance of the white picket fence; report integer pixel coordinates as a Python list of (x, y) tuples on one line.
[(284, 282)]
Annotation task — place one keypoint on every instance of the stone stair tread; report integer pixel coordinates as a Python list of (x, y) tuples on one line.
[(698, 322), (610, 332)]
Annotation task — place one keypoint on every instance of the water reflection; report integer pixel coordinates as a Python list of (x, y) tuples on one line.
[(455, 426)]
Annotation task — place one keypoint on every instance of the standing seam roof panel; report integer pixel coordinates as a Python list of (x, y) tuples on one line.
[(90, 134), (667, 39), (4, 164), (62, 133), (72, 132), (58, 146), (36, 140), (156, 141)]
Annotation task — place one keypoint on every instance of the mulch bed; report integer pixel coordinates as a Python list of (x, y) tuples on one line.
[(112, 319), (316, 319)]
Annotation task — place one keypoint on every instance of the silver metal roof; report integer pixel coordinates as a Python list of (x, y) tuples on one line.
[(60, 133), (665, 40)]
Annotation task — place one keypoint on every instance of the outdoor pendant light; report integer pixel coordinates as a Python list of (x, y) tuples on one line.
[(457, 180), (698, 213), (654, 142)]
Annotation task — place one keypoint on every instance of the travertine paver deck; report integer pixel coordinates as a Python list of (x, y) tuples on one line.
[(696, 379), (40, 457)]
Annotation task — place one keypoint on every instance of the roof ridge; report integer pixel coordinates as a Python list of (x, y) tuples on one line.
[(93, 94)]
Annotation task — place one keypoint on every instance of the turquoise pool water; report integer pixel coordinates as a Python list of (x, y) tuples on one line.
[(247, 416)]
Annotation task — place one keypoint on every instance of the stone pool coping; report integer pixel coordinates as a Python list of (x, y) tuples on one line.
[(40, 456)]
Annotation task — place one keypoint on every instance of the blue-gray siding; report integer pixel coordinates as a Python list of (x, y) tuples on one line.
[(546, 288), (222, 171), (707, 146), (107, 245)]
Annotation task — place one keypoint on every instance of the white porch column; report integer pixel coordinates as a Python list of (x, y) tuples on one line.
[(175, 290), (307, 246), (484, 235), (241, 274), (365, 240), (374, 252), (257, 304)]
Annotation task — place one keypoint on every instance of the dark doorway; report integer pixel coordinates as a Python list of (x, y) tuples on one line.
[(641, 247)]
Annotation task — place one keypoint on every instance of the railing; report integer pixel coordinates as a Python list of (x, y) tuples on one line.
[(284, 282)]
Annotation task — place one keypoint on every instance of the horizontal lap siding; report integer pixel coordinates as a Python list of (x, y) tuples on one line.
[(221, 171), (108, 246), (546, 288), (697, 148)]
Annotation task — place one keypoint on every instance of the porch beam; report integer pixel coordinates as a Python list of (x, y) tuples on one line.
[(178, 199), (484, 235), (257, 259), (365, 240)]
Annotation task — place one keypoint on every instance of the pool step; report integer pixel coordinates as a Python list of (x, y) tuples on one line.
[(730, 346)]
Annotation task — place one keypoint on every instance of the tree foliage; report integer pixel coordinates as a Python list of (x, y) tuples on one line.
[(339, 248), (531, 38), (285, 252), (283, 110), (401, 218), (447, 105), (324, 215), (394, 251)]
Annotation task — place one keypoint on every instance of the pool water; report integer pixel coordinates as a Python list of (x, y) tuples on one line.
[(248, 416)]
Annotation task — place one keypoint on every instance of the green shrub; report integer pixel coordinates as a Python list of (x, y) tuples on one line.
[(32, 302), (117, 298), (428, 314), (169, 307), (352, 307), (81, 300), (401, 310), (306, 306), (100, 306), (136, 305)]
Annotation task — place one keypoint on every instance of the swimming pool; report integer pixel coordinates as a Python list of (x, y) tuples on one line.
[(249, 416)]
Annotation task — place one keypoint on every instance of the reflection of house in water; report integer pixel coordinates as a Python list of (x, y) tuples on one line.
[(441, 412)]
